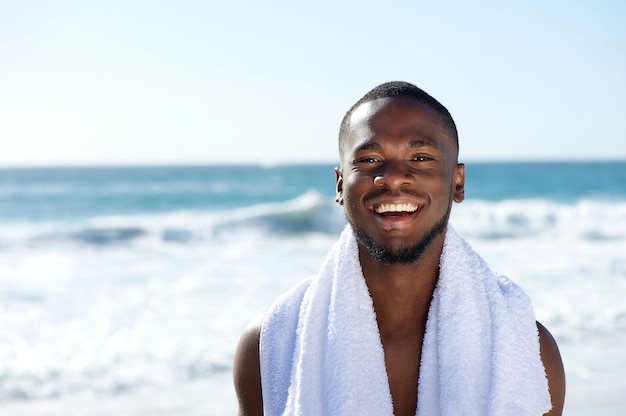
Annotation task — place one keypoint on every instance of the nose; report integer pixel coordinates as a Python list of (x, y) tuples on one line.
[(394, 175)]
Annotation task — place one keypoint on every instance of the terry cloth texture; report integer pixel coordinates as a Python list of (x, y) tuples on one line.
[(321, 352)]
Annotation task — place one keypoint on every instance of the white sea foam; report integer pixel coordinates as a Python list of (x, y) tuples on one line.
[(115, 304)]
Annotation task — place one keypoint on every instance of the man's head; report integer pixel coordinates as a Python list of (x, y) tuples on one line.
[(399, 172), (399, 89)]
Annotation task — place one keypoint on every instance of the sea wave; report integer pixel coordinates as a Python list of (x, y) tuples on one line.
[(120, 374), (114, 304), (313, 213), (310, 212), (584, 220)]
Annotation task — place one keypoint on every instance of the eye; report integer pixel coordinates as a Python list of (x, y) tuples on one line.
[(421, 158), (368, 159)]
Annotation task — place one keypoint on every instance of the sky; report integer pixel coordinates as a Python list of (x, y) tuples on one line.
[(267, 82)]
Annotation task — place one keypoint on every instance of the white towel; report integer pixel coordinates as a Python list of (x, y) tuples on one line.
[(321, 352)]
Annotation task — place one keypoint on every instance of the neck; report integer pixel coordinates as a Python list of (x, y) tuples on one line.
[(402, 292)]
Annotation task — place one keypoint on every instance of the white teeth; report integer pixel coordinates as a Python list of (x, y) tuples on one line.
[(382, 208)]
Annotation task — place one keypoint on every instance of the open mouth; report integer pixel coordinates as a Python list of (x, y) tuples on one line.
[(395, 209)]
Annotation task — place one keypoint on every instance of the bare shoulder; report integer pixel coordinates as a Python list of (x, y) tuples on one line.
[(553, 364), (247, 370)]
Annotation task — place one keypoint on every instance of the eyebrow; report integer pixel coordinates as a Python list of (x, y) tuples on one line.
[(424, 143), (412, 144), (368, 146)]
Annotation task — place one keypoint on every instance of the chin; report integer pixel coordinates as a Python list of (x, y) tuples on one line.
[(389, 254)]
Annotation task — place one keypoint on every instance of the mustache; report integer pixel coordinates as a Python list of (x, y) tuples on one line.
[(385, 192)]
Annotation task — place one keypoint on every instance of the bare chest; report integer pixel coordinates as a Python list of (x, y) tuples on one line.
[(402, 360)]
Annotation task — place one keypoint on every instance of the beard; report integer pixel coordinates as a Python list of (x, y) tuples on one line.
[(402, 255)]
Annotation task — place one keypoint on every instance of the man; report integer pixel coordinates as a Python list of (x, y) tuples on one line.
[(448, 335)]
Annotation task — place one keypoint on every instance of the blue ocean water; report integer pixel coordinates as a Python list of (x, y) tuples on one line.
[(114, 280), (50, 194), (34, 195)]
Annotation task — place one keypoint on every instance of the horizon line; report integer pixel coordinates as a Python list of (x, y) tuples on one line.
[(182, 164)]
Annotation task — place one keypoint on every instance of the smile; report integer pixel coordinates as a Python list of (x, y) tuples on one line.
[(395, 209)]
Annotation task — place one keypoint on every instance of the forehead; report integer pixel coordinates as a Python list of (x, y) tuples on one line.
[(396, 116)]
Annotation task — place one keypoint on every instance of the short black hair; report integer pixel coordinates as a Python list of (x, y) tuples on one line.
[(400, 89)]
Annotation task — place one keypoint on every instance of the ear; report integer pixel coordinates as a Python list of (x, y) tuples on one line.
[(339, 186), (459, 183)]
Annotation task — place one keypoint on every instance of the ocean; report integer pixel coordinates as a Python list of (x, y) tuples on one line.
[(124, 290)]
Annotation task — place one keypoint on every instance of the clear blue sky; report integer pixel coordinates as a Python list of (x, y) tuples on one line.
[(149, 81)]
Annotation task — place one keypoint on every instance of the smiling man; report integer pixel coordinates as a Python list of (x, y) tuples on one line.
[(404, 317)]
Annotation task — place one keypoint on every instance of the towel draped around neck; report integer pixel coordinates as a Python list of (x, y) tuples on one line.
[(321, 352)]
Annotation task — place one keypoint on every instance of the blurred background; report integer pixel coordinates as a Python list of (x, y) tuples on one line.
[(166, 171)]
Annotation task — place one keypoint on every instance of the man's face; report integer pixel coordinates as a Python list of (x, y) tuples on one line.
[(399, 175)]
